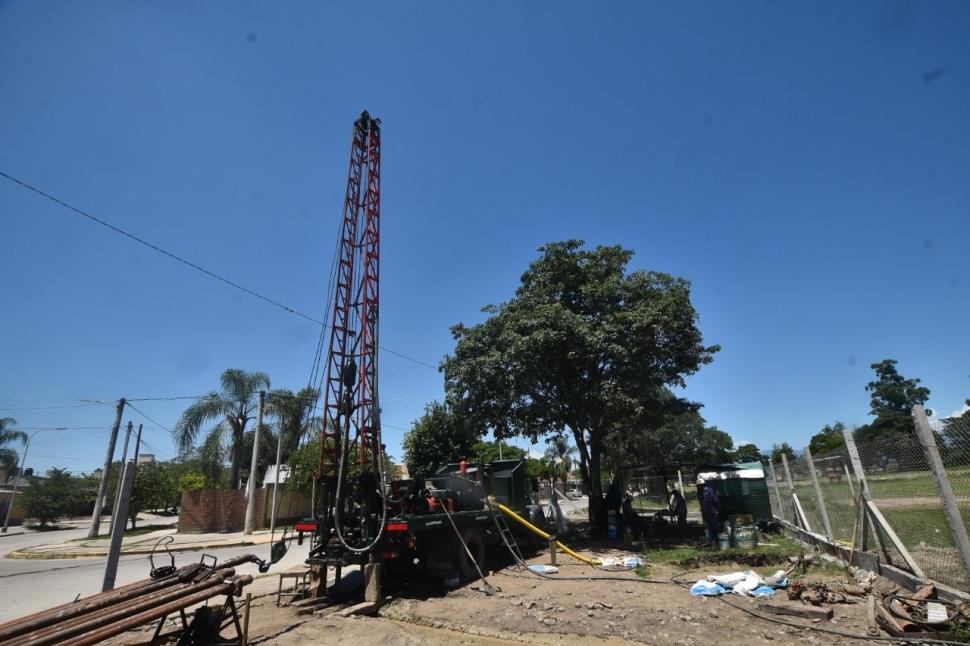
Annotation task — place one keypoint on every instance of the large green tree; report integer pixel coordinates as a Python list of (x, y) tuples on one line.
[(583, 347), (437, 438), (232, 408), (9, 435), (892, 398), (683, 439), (778, 450), (747, 453), (53, 496), (829, 440)]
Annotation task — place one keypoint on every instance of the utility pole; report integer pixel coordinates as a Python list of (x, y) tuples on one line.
[(251, 493), (276, 481), (103, 486), (124, 458), (118, 531), (137, 444)]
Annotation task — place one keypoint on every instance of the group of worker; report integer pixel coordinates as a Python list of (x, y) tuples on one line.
[(677, 508)]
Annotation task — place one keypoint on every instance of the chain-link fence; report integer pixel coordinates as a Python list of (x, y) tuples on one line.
[(902, 489)]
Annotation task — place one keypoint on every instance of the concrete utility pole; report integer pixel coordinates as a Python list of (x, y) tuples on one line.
[(124, 458), (103, 486), (276, 481), (138, 444), (251, 488), (118, 531)]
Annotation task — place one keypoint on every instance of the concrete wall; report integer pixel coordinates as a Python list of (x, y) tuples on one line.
[(210, 510)]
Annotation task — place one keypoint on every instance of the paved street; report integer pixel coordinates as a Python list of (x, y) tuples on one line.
[(27, 586)]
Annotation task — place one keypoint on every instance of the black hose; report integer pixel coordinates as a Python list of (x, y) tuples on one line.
[(686, 584)]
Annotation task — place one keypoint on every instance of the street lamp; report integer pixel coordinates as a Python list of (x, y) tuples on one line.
[(20, 471)]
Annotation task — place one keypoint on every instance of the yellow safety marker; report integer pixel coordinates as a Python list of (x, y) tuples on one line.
[(536, 530)]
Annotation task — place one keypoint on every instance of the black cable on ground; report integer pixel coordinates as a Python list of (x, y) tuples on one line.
[(684, 584)]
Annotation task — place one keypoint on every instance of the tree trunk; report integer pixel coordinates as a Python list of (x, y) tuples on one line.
[(234, 459), (589, 470), (597, 505)]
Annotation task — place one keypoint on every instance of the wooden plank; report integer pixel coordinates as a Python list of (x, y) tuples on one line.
[(806, 612), (364, 608), (803, 519), (818, 493), (917, 570)]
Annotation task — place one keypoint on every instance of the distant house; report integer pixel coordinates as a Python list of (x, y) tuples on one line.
[(270, 477), (401, 472), (146, 458)]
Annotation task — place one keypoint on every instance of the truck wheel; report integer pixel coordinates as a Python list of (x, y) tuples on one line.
[(476, 545)]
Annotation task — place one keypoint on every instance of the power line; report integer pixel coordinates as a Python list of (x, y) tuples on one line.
[(156, 423), (188, 263)]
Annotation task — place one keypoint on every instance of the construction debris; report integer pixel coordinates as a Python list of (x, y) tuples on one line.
[(817, 594)]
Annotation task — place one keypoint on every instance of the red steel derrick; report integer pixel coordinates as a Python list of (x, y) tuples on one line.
[(350, 393)]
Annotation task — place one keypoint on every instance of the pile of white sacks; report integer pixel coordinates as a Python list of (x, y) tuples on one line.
[(747, 583)]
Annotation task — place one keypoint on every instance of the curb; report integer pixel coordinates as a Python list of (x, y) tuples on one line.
[(49, 556)]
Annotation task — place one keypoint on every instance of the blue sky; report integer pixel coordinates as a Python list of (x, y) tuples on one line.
[(806, 165)]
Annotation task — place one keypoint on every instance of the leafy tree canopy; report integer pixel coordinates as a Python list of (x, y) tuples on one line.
[(294, 415), (777, 450), (829, 440), (891, 392), (437, 438), (9, 435), (584, 348), (747, 453), (684, 438), (232, 409), (47, 499)]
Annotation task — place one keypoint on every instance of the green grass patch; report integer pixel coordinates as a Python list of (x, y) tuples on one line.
[(777, 550)]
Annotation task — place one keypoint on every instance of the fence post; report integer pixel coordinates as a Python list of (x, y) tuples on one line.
[(774, 480), (800, 518), (818, 494), (877, 520), (950, 508)]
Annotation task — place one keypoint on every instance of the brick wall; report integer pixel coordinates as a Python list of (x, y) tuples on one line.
[(208, 510)]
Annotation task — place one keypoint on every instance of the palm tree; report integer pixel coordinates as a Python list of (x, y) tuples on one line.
[(8, 457), (294, 415), (560, 456), (234, 407)]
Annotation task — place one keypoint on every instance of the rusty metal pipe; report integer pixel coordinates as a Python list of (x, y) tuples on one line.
[(67, 611), (58, 632), (238, 560), (12, 628), (132, 604), (89, 639), (94, 602)]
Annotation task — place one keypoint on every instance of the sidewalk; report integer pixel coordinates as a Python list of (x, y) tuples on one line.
[(141, 544)]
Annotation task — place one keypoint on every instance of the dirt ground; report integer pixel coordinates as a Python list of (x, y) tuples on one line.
[(555, 611), (558, 610)]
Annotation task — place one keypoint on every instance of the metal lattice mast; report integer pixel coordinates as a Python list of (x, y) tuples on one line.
[(353, 334), (368, 410)]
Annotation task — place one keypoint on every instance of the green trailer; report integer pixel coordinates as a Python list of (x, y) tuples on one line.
[(741, 487)]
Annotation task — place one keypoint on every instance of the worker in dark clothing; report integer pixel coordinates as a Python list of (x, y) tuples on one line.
[(710, 512), (631, 519), (678, 508)]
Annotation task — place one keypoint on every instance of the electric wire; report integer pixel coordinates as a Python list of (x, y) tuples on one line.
[(184, 261)]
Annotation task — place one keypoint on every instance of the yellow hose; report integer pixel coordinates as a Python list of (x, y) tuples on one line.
[(536, 530)]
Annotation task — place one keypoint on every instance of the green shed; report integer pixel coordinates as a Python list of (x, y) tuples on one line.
[(741, 487)]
